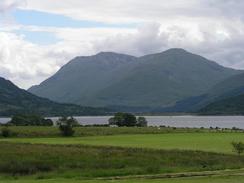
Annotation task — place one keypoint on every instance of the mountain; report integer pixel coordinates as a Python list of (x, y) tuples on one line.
[(230, 87), (123, 81), (228, 106), (82, 77), (14, 100)]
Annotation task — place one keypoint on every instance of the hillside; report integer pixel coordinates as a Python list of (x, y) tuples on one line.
[(228, 106), (230, 87), (14, 100), (123, 81)]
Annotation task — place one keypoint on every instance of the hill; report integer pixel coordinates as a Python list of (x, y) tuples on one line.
[(228, 106), (230, 87), (123, 81), (14, 100)]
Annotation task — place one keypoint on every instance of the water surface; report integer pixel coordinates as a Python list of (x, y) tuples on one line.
[(174, 121)]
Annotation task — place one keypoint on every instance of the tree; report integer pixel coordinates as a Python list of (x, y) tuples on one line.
[(141, 121), (111, 121), (123, 119), (66, 126), (238, 147), (30, 120)]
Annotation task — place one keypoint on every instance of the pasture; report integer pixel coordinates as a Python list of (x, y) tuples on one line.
[(211, 142), (40, 154), (44, 131)]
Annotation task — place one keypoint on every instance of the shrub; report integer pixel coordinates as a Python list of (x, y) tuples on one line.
[(238, 147), (66, 126), (5, 132), (141, 121)]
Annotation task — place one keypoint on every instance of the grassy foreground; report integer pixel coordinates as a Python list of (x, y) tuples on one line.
[(42, 156), (89, 161), (212, 142), (224, 179)]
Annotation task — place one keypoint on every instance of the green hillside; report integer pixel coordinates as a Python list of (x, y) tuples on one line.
[(14, 100), (228, 106), (79, 80), (230, 87)]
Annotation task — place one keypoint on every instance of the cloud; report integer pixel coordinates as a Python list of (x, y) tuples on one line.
[(140, 10), (6, 7), (22, 61), (9, 5), (212, 28), (221, 43), (26, 63)]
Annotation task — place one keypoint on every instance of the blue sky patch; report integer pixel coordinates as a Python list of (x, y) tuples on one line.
[(37, 18), (37, 37)]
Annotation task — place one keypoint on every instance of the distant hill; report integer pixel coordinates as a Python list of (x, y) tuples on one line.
[(230, 87), (14, 100), (122, 81), (228, 106)]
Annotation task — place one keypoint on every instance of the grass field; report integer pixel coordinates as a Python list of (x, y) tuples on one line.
[(212, 142), (40, 131), (40, 155), (92, 161), (229, 179)]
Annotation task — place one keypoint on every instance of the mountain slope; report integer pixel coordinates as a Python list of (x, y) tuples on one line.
[(228, 106), (230, 87), (83, 76), (14, 100), (164, 78), (152, 81)]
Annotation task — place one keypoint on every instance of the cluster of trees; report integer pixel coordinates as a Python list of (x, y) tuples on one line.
[(65, 124), (29, 120), (127, 119)]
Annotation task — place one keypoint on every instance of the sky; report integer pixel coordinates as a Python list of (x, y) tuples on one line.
[(37, 37)]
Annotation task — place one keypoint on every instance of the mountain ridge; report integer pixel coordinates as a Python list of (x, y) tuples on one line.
[(14, 100), (230, 87), (113, 79), (228, 106)]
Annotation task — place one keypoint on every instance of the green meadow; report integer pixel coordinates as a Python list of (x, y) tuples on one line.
[(45, 131), (212, 142), (120, 155)]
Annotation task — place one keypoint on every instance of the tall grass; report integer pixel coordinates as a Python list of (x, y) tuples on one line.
[(89, 161)]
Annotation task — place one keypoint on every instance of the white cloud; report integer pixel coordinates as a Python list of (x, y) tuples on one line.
[(8, 5), (26, 63), (140, 10), (22, 61), (212, 28)]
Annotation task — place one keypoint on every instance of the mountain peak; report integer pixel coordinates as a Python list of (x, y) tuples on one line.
[(111, 54), (175, 51), (107, 53)]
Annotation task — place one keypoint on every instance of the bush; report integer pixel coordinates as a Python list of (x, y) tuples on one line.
[(141, 121), (66, 126), (5, 132), (238, 147)]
